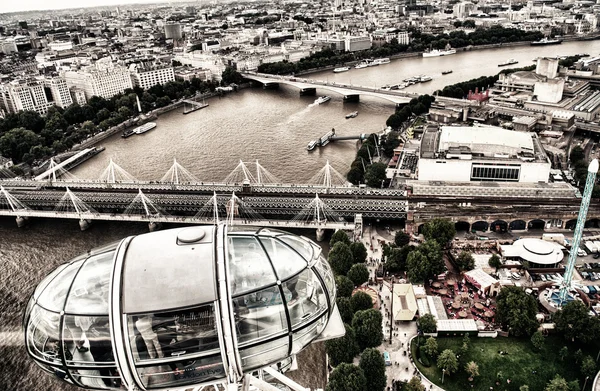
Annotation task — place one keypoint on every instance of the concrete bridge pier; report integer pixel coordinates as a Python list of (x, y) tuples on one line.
[(271, 86), (84, 224), (154, 226), (320, 234), (308, 91), (352, 98), (21, 221)]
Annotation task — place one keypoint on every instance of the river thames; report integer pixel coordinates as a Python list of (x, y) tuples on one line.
[(271, 126)]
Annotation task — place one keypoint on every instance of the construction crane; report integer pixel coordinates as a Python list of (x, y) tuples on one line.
[(583, 210)]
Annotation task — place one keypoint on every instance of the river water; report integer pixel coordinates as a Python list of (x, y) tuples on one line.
[(271, 126)]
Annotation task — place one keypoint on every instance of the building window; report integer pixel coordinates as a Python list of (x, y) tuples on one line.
[(480, 172)]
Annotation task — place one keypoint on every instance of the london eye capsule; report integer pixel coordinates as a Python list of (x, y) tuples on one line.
[(182, 307)]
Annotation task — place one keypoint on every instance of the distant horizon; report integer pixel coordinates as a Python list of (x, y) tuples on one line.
[(58, 5)]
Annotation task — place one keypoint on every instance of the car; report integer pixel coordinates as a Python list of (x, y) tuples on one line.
[(596, 256)]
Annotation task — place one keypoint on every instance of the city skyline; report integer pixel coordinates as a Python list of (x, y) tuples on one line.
[(37, 5)]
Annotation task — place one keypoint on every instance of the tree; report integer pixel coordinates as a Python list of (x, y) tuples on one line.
[(418, 267), (557, 384), (495, 261), (347, 377), (375, 175), (447, 361), (359, 252), (431, 347), (440, 230), (578, 356), (537, 339), (472, 369), (345, 308), (340, 258), (396, 258), (414, 385), (359, 274), (343, 349), (574, 322), (31, 120), (367, 326), (339, 236), (425, 262), (401, 239), (577, 154), (588, 366), (427, 323), (516, 311), (373, 366), (361, 301), (465, 261), (17, 142), (563, 353), (344, 286), (230, 75), (524, 388)]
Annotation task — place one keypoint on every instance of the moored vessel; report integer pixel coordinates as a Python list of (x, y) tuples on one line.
[(352, 114), (144, 128), (341, 69), (546, 41), (322, 99), (510, 61)]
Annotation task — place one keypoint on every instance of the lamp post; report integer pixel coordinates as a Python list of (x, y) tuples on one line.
[(443, 373), (585, 383)]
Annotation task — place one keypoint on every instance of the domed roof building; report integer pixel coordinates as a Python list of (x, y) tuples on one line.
[(538, 252), (189, 306)]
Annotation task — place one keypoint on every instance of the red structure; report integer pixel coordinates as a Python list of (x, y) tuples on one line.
[(478, 96)]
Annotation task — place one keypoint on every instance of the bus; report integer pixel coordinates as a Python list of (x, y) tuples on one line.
[(386, 358)]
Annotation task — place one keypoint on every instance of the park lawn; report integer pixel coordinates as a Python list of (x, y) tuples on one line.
[(522, 365)]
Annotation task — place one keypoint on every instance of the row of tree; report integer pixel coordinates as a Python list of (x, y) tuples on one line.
[(415, 107), (580, 166), (419, 42), (362, 170)]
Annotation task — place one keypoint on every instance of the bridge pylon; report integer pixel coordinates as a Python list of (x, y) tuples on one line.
[(329, 177), (178, 174), (115, 173), (8, 201), (70, 203), (317, 213), (240, 174), (238, 211), (144, 206), (212, 210)]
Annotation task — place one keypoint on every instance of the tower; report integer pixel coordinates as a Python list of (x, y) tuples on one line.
[(585, 203)]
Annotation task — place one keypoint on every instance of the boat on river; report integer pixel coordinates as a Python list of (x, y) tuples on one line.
[(322, 99), (144, 128), (546, 41), (510, 61), (352, 115), (341, 69), (312, 145), (447, 72)]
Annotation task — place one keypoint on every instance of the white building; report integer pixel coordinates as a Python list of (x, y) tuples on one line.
[(24, 95), (353, 44), (78, 95), (478, 154), (146, 75), (105, 80), (59, 91)]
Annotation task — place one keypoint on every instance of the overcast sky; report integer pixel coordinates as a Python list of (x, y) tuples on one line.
[(32, 5)]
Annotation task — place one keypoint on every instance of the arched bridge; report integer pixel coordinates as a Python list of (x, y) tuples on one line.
[(348, 91)]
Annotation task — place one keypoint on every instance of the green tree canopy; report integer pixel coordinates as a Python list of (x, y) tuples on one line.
[(427, 323), (516, 311), (472, 369), (339, 236), (401, 238), (343, 349), (574, 322), (577, 154), (345, 308), (359, 274), (367, 326), (427, 261), (439, 229), (495, 261), (31, 120), (447, 361), (230, 75), (344, 286), (557, 384), (397, 258), (340, 258), (431, 347), (588, 366), (537, 339), (418, 267), (361, 301), (465, 261), (16, 143), (359, 252), (375, 175), (347, 377), (373, 366), (414, 385)]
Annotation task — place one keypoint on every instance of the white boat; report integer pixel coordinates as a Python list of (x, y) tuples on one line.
[(546, 41), (381, 61), (342, 69), (311, 145), (438, 53), (425, 78), (361, 65), (352, 115), (144, 128), (322, 99), (510, 61)]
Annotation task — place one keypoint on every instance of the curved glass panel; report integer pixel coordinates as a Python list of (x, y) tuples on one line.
[(264, 354), (306, 335), (43, 335), (87, 340), (327, 275), (183, 372), (89, 294), (259, 315), (307, 298), (301, 246), (104, 379), (286, 261), (173, 334), (249, 266), (54, 296), (44, 283)]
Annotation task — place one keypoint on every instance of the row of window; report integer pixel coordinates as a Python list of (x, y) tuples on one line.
[(483, 173)]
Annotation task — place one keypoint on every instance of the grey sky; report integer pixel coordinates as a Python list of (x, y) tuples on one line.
[(31, 5)]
